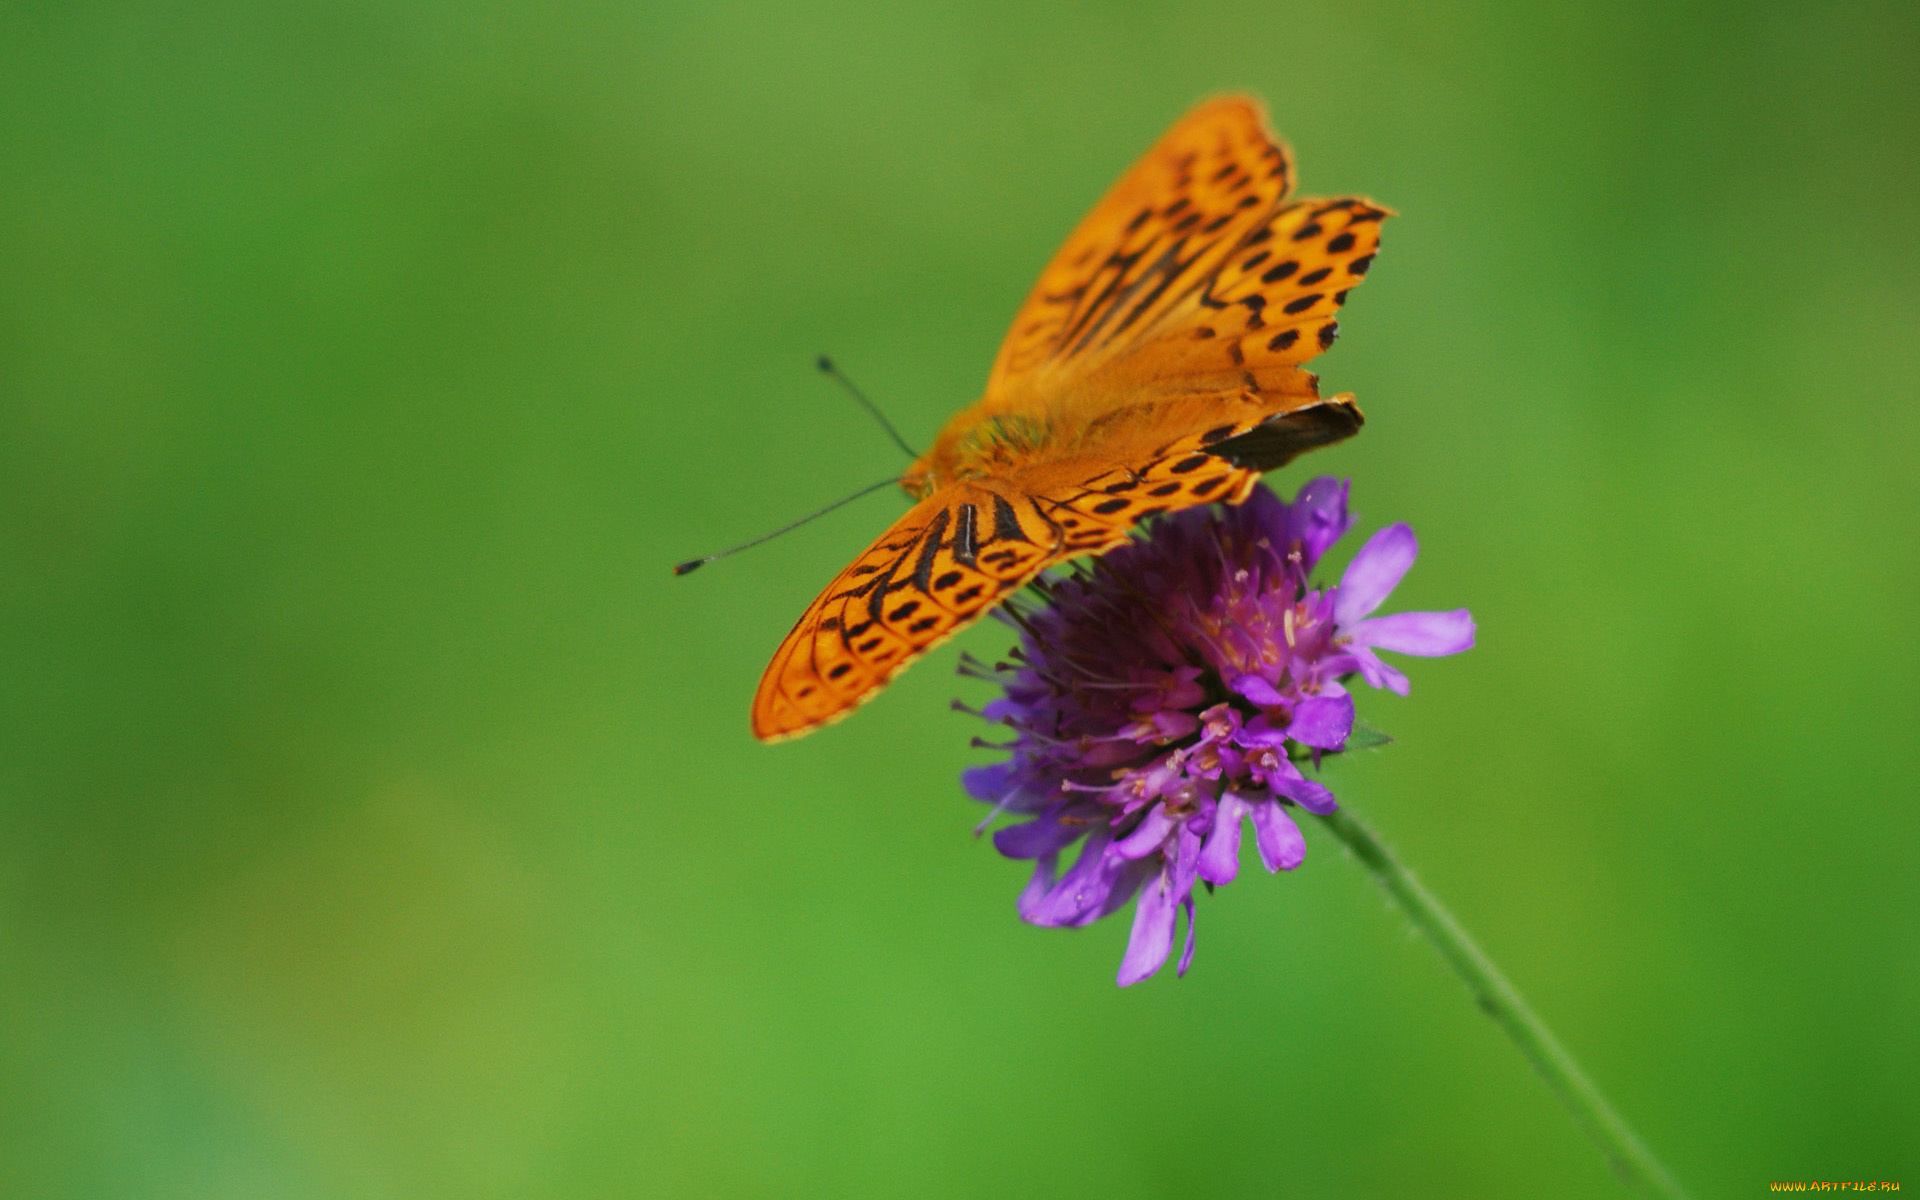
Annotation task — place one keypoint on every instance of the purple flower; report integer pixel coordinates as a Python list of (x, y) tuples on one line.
[(1170, 692)]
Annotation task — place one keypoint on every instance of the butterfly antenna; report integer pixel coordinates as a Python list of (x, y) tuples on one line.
[(832, 372), (694, 564)]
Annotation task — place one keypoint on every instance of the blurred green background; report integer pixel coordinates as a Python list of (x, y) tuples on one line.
[(378, 817)]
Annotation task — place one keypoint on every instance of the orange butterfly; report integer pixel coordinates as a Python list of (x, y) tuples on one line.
[(1156, 366)]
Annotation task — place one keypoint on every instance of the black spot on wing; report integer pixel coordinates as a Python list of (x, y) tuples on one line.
[(929, 548), (1006, 524), (880, 587)]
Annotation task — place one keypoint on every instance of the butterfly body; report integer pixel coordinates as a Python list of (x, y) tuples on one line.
[(1155, 366)]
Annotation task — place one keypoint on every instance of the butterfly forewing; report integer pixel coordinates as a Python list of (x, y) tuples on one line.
[(1156, 236), (937, 570)]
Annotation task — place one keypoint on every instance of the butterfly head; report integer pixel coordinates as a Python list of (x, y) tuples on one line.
[(977, 446), (923, 478)]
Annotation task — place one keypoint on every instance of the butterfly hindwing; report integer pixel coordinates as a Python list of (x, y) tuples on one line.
[(943, 565), (1098, 512)]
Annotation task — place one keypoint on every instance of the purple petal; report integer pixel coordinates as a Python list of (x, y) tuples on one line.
[(998, 710), (1427, 633), (1313, 797), (1267, 514), (1220, 721), (1180, 689), (1081, 891), (1127, 882), (1186, 861), (1257, 689), (1152, 937), (1323, 721), (1034, 839), (1319, 517), (1109, 753), (1377, 673), (1040, 884), (1337, 664), (1220, 857), (1174, 725), (988, 783), (1374, 573), (1281, 846), (1148, 836), (1260, 732), (1186, 956)]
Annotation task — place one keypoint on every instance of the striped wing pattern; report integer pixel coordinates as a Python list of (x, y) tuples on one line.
[(1158, 234), (940, 568), (1193, 293), (1273, 304)]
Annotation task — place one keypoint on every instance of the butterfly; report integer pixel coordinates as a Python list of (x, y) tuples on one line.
[(1155, 366)]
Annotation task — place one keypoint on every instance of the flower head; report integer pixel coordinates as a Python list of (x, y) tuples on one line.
[(1171, 692)]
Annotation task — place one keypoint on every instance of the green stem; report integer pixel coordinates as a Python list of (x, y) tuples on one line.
[(1496, 996)]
